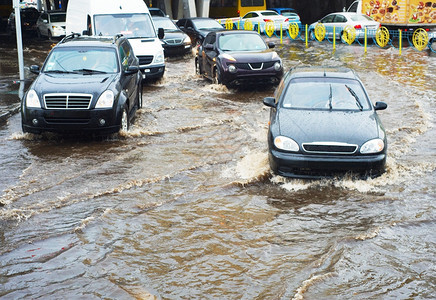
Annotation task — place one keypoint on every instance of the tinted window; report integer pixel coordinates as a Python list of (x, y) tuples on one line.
[(340, 19), (241, 42), (320, 93), (328, 19), (57, 18)]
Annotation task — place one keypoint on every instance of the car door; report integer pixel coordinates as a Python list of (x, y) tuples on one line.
[(128, 80), (42, 23), (339, 22), (327, 21), (209, 54)]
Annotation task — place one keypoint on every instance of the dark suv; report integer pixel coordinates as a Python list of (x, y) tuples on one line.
[(87, 84)]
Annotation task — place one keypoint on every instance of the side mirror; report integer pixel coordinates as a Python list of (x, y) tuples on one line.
[(34, 69), (271, 45), (85, 32), (160, 33), (208, 47), (131, 70), (270, 101), (380, 106)]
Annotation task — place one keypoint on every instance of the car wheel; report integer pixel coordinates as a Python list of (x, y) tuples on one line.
[(140, 96), (124, 120), (197, 67), (216, 76), (312, 35)]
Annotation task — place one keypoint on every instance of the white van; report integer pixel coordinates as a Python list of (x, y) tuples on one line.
[(131, 18)]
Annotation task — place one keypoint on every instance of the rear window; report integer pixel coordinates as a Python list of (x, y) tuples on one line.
[(325, 94)]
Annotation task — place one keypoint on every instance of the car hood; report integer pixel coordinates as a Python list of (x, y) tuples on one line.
[(73, 83), (254, 56), (146, 46), (328, 126), (169, 35)]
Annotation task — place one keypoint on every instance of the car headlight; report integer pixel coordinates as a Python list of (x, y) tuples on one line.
[(232, 69), (285, 143), (159, 58), (277, 66), (32, 99), (187, 40), (372, 146), (106, 100), (228, 57)]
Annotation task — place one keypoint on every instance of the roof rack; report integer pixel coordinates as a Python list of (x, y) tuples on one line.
[(70, 37), (116, 37)]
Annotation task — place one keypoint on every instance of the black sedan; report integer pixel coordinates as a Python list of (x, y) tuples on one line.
[(322, 123), (28, 16), (175, 41), (197, 28), (230, 57), (87, 84)]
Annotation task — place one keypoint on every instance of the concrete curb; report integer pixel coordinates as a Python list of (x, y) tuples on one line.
[(4, 117)]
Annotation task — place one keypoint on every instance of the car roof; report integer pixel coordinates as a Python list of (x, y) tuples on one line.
[(321, 72), (231, 32), (89, 41)]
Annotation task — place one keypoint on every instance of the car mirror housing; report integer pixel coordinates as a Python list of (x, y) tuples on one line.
[(270, 101), (132, 70), (271, 45), (208, 47), (34, 69), (380, 106), (160, 33)]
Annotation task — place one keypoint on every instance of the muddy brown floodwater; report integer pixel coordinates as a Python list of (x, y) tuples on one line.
[(184, 206)]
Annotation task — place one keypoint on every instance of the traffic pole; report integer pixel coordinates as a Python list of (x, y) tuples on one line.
[(16, 6)]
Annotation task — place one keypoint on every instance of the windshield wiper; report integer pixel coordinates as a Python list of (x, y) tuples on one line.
[(90, 71), (353, 93), (59, 71), (330, 97)]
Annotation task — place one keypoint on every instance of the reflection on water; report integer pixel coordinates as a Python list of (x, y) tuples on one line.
[(184, 206)]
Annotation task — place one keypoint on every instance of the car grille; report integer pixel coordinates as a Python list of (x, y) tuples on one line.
[(145, 59), (329, 148), (255, 66), (174, 41), (67, 101)]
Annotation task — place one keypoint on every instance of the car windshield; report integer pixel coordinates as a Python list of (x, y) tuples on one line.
[(290, 14), (166, 24), (129, 25), (325, 94), (55, 18), (73, 60), (359, 18), (202, 24), (241, 42)]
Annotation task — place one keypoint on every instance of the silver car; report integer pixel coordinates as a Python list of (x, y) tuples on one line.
[(51, 24), (358, 21)]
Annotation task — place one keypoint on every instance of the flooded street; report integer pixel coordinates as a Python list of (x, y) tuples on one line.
[(183, 206)]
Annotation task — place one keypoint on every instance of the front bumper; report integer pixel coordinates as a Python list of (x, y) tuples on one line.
[(152, 72), (244, 75), (298, 165), (36, 120)]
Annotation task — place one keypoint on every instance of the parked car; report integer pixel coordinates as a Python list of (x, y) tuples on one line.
[(343, 19), (323, 123), (175, 41), (229, 57), (28, 15), (154, 11), (289, 13), (87, 84), (197, 28), (259, 18), (51, 24)]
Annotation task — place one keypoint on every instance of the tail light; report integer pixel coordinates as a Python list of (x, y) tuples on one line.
[(267, 20), (287, 20), (358, 26)]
